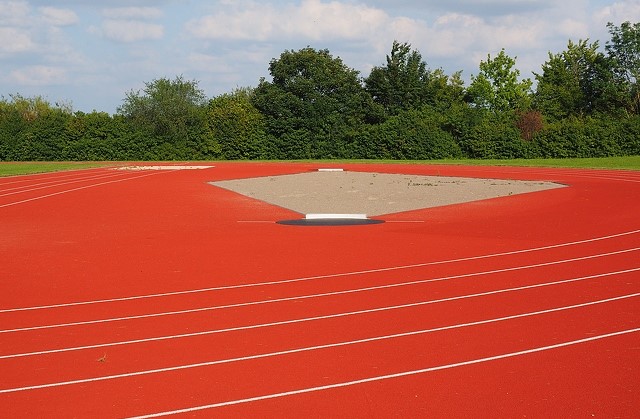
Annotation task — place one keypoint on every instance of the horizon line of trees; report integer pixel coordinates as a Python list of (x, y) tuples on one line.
[(586, 103)]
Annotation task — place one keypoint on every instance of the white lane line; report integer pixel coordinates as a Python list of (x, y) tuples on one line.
[(594, 174), (316, 277), (78, 189), (389, 376), (163, 167), (48, 175), (611, 176), (55, 183), (312, 348), (620, 179), (295, 321), (317, 295), (324, 294), (255, 222)]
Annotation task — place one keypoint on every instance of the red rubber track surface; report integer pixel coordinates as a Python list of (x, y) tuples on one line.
[(152, 293)]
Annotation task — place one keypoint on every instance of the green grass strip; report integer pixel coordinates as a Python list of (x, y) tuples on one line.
[(628, 163), (25, 168)]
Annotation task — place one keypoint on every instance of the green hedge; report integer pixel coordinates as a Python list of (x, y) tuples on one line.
[(411, 135), (583, 137), (496, 138), (231, 128)]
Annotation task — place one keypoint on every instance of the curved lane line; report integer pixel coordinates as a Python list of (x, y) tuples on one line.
[(53, 184), (311, 348), (319, 295), (303, 320), (316, 277), (80, 188), (389, 376), (30, 177)]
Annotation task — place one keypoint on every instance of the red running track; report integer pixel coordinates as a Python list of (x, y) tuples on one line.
[(151, 293)]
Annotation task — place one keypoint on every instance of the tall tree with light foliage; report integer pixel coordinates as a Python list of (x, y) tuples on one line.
[(405, 82), (624, 50), (498, 86), (577, 81), (168, 108)]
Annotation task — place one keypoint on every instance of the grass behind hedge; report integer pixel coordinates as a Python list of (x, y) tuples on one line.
[(629, 163), (23, 168)]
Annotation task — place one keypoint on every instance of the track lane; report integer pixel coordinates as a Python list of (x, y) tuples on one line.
[(364, 295), (40, 185), (337, 326), (32, 194), (292, 371), (444, 231), (572, 252), (507, 387), (40, 177)]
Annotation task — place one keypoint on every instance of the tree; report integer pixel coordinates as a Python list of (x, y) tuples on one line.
[(577, 81), (171, 110), (32, 108), (31, 128), (406, 82), (497, 87), (237, 127), (401, 84), (312, 104), (624, 50), (444, 91)]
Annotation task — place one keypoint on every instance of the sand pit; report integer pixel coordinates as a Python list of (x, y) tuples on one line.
[(374, 194)]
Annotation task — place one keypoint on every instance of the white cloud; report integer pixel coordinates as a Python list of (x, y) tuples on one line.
[(318, 20), (454, 33), (14, 13), (311, 19), (468, 39), (619, 12), (483, 7), (39, 75), (13, 40), (403, 29), (464, 37), (131, 24), (58, 17), (495, 7), (23, 30), (131, 30), (572, 28), (143, 13)]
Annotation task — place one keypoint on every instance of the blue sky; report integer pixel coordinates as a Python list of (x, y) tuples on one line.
[(89, 54)]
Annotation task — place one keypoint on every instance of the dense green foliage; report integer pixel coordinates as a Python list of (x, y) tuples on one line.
[(497, 87), (585, 103), (314, 106), (237, 129)]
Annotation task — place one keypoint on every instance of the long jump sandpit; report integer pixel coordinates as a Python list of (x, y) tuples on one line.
[(373, 194)]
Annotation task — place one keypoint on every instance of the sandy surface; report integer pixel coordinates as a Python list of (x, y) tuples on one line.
[(373, 194)]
